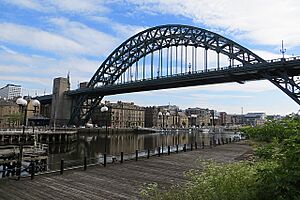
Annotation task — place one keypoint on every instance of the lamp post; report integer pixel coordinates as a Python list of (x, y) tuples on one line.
[(167, 117), (104, 110), (162, 117), (23, 107), (35, 103), (213, 124)]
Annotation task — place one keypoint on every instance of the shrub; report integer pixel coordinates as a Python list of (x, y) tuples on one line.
[(216, 181), (274, 176)]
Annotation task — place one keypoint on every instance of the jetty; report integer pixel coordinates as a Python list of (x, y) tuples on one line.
[(118, 180), (14, 136)]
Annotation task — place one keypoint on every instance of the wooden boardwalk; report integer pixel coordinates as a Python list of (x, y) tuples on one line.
[(117, 181)]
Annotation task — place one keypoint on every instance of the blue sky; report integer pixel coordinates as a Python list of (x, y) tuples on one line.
[(43, 39)]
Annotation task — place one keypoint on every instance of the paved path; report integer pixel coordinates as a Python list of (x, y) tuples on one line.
[(117, 181)]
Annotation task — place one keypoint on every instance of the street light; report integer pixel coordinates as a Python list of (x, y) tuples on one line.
[(35, 103), (104, 109), (167, 116), (162, 116), (23, 104), (23, 107)]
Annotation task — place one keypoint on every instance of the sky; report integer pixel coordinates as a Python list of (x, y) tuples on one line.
[(44, 39)]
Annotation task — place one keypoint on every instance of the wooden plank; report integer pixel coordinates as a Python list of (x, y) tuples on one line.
[(117, 181)]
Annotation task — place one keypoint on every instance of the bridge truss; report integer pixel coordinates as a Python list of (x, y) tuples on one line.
[(168, 51)]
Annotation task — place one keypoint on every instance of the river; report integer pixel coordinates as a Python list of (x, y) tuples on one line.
[(92, 145)]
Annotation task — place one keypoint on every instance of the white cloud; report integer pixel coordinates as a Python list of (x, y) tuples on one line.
[(92, 41), (8, 50), (79, 6), (70, 6), (29, 79), (29, 4), (37, 39), (68, 39), (10, 69), (122, 30), (35, 68), (262, 22)]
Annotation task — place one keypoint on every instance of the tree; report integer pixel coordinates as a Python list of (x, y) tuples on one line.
[(14, 119)]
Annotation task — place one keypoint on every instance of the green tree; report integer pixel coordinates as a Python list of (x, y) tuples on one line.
[(14, 119), (274, 174)]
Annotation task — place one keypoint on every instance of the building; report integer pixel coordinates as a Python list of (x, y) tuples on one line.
[(173, 120), (10, 115), (46, 106), (215, 118), (183, 119), (235, 119), (120, 115), (223, 118), (168, 118), (151, 116), (274, 117), (10, 91), (198, 116), (254, 119), (169, 107)]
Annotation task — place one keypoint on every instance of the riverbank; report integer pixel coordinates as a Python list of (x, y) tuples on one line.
[(118, 181)]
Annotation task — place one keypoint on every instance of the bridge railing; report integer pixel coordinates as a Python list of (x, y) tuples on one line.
[(208, 70), (197, 72), (284, 59)]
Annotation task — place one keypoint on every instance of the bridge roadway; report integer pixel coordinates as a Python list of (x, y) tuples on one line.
[(118, 181), (237, 73)]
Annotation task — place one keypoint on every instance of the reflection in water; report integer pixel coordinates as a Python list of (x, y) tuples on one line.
[(92, 144)]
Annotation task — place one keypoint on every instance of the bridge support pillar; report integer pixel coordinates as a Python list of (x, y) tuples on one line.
[(61, 102)]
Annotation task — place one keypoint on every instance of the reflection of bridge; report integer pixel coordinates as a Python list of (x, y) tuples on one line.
[(173, 56)]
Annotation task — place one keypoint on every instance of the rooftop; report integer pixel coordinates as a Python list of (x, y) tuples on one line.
[(10, 84)]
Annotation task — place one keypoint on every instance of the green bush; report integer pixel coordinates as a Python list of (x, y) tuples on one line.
[(274, 176), (280, 130), (282, 148), (216, 181), (283, 180)]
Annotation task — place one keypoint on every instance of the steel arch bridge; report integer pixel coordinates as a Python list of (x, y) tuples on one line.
[(166, 57)]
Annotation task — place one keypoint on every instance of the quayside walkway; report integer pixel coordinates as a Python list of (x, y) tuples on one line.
[(117, 181)]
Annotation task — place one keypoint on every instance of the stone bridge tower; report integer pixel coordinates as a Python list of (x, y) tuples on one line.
[(61, 103)]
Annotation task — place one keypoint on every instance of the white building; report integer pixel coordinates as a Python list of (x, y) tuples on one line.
[(10, 91), (255, 119)]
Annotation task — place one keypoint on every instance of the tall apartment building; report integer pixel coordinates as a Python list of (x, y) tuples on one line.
[(10, 91)]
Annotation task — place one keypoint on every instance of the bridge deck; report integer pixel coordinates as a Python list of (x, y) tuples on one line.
[(117, 181), (238, 74)]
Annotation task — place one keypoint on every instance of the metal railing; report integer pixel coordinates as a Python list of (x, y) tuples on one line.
[(208, 70), (33, 168)]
